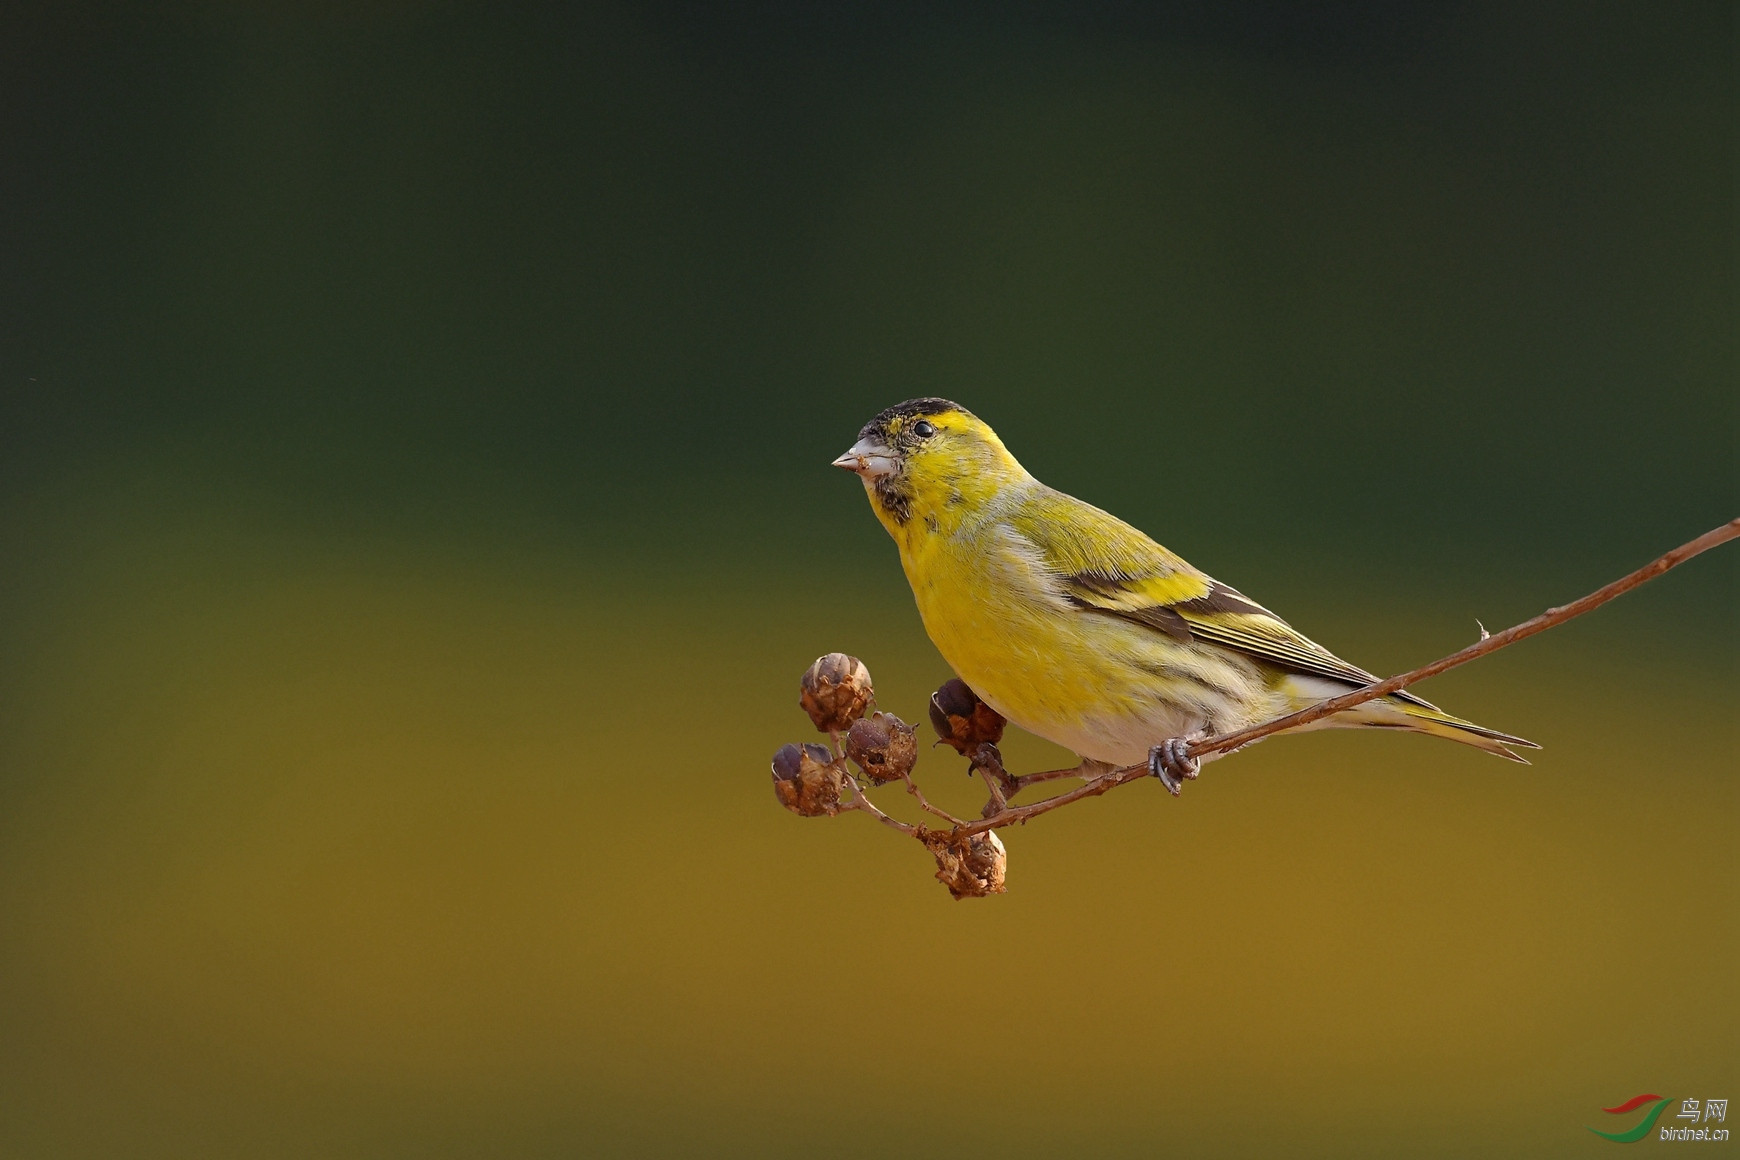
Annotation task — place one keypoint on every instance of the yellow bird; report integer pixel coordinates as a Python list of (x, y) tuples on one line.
[(1079, 628)]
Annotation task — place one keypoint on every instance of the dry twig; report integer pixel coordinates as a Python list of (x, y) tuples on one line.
[(970, 859)]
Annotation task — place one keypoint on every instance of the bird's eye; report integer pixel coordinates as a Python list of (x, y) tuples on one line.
[(924, 429)]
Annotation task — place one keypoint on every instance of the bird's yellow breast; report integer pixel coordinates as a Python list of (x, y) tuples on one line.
[(992, 609)]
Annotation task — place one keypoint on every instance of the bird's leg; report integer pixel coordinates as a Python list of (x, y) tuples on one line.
[(1171, 763)]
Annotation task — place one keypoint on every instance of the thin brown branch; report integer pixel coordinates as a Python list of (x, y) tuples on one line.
[(913, 789), (1087, 771), (987, 762), (861, 802), (1027, 779), (1551, 618), (999, 800), (1014, 815)]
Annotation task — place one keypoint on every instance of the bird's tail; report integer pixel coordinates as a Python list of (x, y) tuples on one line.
[(1426, 719), (1405, 711)]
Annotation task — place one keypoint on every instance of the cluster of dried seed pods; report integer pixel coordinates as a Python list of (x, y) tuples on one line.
[(817, 780)]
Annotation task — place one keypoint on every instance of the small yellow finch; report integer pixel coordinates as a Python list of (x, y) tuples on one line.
[(1079, 628)]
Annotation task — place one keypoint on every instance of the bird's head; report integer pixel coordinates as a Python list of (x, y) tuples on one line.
[(928, 463)]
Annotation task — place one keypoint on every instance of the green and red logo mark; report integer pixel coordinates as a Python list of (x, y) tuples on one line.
[(1633, 1135)]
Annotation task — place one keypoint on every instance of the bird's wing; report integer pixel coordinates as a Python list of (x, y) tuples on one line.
[(1104, 565)]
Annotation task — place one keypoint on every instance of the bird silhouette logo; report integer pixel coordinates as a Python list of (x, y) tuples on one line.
[(1633, 1135)]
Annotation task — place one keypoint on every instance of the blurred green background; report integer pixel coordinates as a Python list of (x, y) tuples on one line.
[(415, 515)]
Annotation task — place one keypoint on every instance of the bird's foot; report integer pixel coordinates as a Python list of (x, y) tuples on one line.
[(1170, 762)]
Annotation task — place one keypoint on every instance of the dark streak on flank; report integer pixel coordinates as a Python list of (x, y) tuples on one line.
[(1174, 673)]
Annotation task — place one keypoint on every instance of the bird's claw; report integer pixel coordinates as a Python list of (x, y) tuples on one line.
[(1171, 762)]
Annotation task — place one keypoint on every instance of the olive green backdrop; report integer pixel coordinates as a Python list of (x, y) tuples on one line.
[(415, 515)]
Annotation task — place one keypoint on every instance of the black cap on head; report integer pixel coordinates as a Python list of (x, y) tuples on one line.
[(877, 428)]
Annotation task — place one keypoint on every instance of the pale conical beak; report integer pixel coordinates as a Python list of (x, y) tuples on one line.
[(868, 458)]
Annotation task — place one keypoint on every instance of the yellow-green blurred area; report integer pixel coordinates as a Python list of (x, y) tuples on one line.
[(415, 516)]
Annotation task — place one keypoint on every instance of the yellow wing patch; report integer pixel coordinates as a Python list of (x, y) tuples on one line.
[(1100, 557)]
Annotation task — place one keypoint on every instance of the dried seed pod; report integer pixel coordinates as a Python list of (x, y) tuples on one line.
[(961, 719), (883, 746), (806, 780), (836, 691), (972, 867)]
